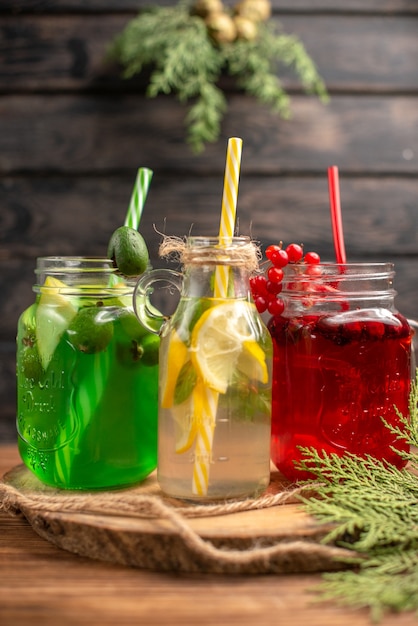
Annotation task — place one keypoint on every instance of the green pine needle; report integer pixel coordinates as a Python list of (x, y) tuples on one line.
[(186, 62), (255, 65), (374, 510)]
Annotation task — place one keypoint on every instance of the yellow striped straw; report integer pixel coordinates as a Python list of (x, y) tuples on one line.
[(208, 404), (229, 209), (205, 407)]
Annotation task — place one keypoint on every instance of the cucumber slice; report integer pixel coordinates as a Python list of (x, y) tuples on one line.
[(53, 316)]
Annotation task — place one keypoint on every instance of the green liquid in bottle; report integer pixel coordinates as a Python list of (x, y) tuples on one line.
[(89, 418)]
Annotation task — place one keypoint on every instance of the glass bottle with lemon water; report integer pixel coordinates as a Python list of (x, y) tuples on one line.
[(87, 377), (215, 374)]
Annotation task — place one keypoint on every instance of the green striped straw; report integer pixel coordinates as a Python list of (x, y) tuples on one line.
[(139, 195)]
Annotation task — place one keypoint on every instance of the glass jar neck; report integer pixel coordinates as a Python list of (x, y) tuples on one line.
[(217, 267), (335, 287), (80, 275)]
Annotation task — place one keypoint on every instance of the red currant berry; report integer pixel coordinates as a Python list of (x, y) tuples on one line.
[(312, 258), (274, 288), (277, 256), (352, 330), (271, 251), (294, 252), (261, 304), (258, 285), (376, 330), (275, 274), (313, 270), (275, 306)]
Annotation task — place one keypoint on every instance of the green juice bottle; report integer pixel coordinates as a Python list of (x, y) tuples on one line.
[(87, 378)]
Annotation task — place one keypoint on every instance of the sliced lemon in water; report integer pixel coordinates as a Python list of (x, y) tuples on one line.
[(252, 362), (177, 355), (223, 339), (53, 316), (185, 427)]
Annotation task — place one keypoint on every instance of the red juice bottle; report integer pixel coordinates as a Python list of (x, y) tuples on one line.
[(342, 362)]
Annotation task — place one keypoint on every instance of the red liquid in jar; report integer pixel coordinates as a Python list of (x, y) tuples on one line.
[(334, 377)]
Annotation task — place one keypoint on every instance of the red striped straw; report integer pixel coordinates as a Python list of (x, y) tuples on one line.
[(336, 217)]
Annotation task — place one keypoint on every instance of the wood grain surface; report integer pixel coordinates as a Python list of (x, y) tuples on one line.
[(133, 6), (164, 534), (70, 53), (42, 584), (73, 132)]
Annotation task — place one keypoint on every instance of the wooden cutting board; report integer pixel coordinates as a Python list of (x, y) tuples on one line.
[(143, 528)]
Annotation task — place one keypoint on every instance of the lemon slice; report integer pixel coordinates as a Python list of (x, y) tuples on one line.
[(223, 337), (177, 355), (185, 427), (252, 362), (53, 316)]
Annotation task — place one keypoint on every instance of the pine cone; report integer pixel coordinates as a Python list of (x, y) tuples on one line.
[(246, 29), (203, 8), (255, 10), (221, 27)]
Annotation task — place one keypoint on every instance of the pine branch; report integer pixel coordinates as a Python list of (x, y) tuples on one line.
[(250, 63), (378, 591), (374, 509), (290, 51), (185, 60), (255, 64), (205, 117)]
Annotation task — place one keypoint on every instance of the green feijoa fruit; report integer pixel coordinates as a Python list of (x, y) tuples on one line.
[(129, 353), (128, 250), (131, 325), (150, 346), (31, 364), (91, 330)]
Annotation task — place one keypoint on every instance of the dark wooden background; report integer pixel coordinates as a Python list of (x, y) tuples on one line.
[(72, 134)]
